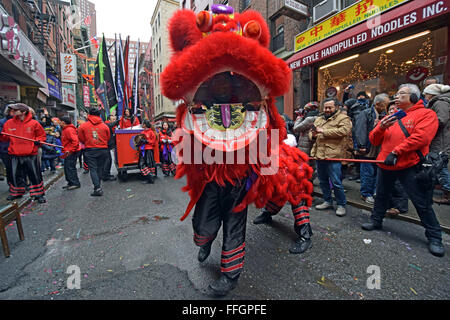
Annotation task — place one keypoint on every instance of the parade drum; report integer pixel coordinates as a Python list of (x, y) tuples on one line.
[(127, 153)]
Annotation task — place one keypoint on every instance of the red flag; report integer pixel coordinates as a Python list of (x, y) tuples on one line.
[(127, 87), (94, 41)]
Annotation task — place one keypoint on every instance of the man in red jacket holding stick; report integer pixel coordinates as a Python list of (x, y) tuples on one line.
[(401, 161), (94, 134), (71, 149), (24, 158)]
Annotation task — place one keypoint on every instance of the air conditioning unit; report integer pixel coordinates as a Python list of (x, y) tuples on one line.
[(325, 9)]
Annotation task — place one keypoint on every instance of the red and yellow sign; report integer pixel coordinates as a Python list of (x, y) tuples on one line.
[(359, 12)]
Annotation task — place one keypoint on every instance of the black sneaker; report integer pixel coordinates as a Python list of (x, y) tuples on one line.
[(300, 246), (204, 252), (97, 193), (265, 217), (110, 178), (73, 187), (371, 225), (40, 199), (66, 187), (223, 286), (12, 198), (436, 248)]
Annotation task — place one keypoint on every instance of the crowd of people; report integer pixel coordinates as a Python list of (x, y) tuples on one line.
[(29, 147), (388, 138)]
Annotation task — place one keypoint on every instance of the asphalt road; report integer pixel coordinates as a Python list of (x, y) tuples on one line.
[(130, 244)]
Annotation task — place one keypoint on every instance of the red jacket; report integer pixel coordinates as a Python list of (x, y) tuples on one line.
[(165, 135), (94, 133), (69, 139), (126, 123), (421, 123), (151, 138), (29, 128)]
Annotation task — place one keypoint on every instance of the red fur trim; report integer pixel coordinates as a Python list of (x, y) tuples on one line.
[(183, 31), (210, 56)]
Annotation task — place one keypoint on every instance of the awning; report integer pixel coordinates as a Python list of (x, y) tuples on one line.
[(405, 16)]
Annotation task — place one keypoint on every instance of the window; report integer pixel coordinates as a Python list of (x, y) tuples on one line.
[(159, 19), (159, 45), (384, 70), (245, 4)]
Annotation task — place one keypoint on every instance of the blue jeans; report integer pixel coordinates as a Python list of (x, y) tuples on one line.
[(444, 178), (331, 171), (368, 179)]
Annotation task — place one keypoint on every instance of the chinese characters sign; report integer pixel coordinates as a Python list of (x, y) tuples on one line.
[(359, 12), (68, 68), (20, 51)]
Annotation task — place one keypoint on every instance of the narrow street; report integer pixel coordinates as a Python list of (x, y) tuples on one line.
[(131, 245)]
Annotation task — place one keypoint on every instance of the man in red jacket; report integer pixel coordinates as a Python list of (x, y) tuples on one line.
[(94, 134), (24, 154), (71, 149), (401, 162)]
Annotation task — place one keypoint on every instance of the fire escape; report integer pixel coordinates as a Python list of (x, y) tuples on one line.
[(44, 23)]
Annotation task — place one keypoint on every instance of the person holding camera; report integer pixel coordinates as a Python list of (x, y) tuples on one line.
[(400, 136), (364, 124)]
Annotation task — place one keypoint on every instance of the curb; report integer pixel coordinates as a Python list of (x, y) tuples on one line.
[(52, 181), (401, 217)]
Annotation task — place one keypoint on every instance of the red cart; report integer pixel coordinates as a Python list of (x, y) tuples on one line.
[(127, 156)]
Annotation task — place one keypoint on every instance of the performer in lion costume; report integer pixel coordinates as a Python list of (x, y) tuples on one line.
[(226, 80)]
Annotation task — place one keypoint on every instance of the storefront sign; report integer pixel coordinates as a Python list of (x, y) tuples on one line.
[(54, 86), (69, 68), (68, 93), (357, 13), (9, 91), (297, 6), (86, 98), (363, 35), (19, 50)]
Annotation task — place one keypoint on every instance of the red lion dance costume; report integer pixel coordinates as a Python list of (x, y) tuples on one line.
[(227, 78)]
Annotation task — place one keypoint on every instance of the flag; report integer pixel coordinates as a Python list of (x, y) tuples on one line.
[(94, 41), (104, 82), (135, 97), (127, 87), (119, 79)]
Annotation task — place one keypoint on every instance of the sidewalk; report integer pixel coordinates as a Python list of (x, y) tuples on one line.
[(49, 179), (354, 199)]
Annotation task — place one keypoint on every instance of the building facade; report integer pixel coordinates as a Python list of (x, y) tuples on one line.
[(164, 108), (377, 46), (31, 62)]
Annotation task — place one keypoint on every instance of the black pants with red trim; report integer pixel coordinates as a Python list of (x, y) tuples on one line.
[(214, 208), (167, 165), (147, 164), (300, 213), (21, 168)]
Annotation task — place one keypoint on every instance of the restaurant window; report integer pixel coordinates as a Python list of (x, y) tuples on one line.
[(383, 68)]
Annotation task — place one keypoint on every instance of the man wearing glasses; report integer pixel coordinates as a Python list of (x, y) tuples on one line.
[(401, 161)]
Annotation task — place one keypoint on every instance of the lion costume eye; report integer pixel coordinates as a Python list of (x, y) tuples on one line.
[(204, 21), (252, 29)]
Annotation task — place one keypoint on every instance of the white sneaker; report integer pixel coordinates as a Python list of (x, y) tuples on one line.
[(324, 206), (340, 212), (369, 200)]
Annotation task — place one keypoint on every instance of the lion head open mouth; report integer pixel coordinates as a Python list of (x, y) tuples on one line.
[(227, 112)]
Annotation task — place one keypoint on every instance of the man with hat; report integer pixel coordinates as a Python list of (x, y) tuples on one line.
[(24, 153)]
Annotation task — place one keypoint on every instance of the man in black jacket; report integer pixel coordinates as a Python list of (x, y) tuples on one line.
[(365, 122)]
